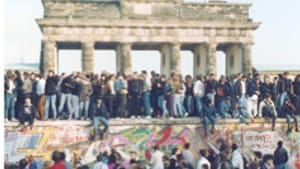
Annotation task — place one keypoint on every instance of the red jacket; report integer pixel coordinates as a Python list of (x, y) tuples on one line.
[(59, 165)]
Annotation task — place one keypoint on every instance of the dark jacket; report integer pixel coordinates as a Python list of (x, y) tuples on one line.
[(266, 88), (284, 85), (100, 111), (51, 83), (66, 85), (210, 86), (135, 87), (280, 156), (238, 88), (289, 110), (76, 88), (32, 111), (296, 86)]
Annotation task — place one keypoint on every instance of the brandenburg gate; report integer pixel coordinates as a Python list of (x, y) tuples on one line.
[(165, 25)]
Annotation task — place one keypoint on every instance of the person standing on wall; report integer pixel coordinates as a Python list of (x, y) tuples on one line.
[(100, 115)]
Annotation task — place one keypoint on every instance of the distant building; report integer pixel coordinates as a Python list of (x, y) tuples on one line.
[(23, 67), (274, 70)]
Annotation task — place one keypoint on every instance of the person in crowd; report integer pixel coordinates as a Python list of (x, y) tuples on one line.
[(67, 164), (146, 94), (199, 93), (280, 156), (178, 106), (58, 161), (241, 113), (120, 86), (50, 93), (240, 90), (135, 93), (209, 115), (27, 86), (100, 116), (169, 94), (267, 109), (76, 89), (84, 98), (160, 89), (237, 159), (34, 96), (47, 164), (225, 108), (99, 163), (40, 91), (23, 163), (10, 96), (221, 90), (76, 160), (20, 97), (156, 158), (296, 87), (202, 159), (284, 86), (188, 155), (210, 86), (110, 95), (289, 111), (28, 113), (66, 97), (267, 162), (173, 158), (253, 93), (33, 164), (133, 159), (189, 94)]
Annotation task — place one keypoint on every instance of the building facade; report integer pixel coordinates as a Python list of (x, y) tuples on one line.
[(168, 26)]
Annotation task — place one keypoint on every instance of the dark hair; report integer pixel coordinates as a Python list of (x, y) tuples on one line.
[(156, 147), (63, 155), (279, 143), (204, 166), (202, 152), (22, 164), (258, 154), (174, 151), (234, 146), (99, 157), (187, 145), (56, 156), (84, 167)]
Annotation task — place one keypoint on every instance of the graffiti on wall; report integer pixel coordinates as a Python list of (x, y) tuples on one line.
[(42, 141)]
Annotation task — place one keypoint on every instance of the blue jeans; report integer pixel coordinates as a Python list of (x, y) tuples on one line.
[(283, 96), (84, 108), (189, 104), (50, 100), (99, 120), (63, 99), (288, 118), (75, 103), (147, 103), (162, 105), (212, 120), (178, 108), (199, 105), (9, 105)]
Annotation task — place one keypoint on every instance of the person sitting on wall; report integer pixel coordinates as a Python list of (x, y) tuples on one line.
[(239, 112), (225, 108), (289, 111), (99, 116), (28, 112), (267, 109), (209, 114)]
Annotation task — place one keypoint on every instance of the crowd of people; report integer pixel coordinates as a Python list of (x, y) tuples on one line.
[(29, 96), (226, 157)]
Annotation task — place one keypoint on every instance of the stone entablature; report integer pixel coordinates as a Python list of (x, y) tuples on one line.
[(147, 9)]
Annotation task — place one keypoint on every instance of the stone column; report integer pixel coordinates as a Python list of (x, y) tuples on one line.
[(175, 59), (247, 58), (212, 58), (124, 58), (200, 60), (165, 52), (87, 58), (49, 60), (233, 59)]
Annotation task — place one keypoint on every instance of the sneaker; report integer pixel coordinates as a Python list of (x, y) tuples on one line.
[(14, 119), (6, 120), (148, 117), (133, 117), (186, 114), (171, 118)]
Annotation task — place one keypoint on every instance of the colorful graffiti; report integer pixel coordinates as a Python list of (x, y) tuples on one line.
[(41, 141)]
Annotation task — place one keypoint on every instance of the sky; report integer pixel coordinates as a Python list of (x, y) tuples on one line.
[(276, 40)]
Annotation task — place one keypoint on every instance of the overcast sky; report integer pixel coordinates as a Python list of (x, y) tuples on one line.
[(276, 41)]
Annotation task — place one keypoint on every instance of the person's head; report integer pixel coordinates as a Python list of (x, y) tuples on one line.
[(163, 78), (63, 155), (204, 166), (212, 76), (133, 155), (286, 75), (23, 163), (56, 156), (258, 154), (244, 78), (267, 79), (77, 78), (228, 99), (187, 146), (30, 158), (175, 151), (203, 153), (279, 143), (234, 147), (27, 101), (11, 75), (134, 75), (268, 159), (47, 164), (50, 73), (268, 97), (99, 100), (156, 147)]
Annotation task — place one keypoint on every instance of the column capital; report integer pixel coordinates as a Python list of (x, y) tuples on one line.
[(88, 43)]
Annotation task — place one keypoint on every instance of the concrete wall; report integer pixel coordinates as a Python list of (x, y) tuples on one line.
[(126, 135)]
